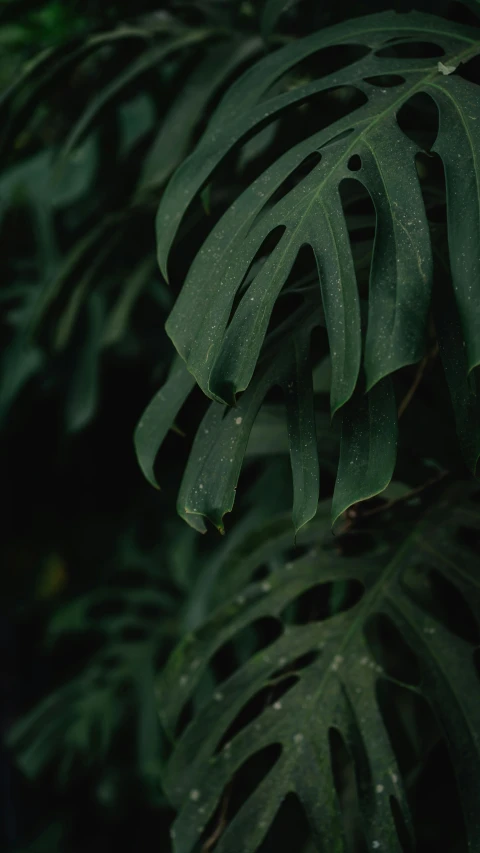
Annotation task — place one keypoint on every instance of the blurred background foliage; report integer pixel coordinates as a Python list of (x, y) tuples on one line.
[(99, 102)]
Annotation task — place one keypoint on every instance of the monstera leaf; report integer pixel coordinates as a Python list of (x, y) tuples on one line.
[(323, 671), (224, 310), (367, 143)]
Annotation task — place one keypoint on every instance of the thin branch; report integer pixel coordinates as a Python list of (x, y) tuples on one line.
[(425, 362), (356, 513), (221, 823)]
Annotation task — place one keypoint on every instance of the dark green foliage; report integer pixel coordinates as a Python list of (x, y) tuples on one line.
[(310, 681)]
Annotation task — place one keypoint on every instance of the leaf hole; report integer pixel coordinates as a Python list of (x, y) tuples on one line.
[(385, 81), (184, 719), (297, 665), (411, 50), (390, 650), (319, 64), (344, 777), (237, 651), (338, 138), (296, 177), (303, 276), (418, 119), (438, 822), (432, 184), (355, 163), (264, 251), (470, 70), (314, 605), (290, 829), (440, 598), (248, 778), (254, 708), (411, 726), (400, 826)]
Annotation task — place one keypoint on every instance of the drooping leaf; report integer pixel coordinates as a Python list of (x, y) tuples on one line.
[(368, 447), (330, 674)]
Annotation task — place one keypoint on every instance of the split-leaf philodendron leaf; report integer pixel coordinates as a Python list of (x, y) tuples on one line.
[(323, 675), (220, 322)]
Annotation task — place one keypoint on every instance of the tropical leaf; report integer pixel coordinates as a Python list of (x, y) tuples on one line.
[(220, 340), (324, 673)]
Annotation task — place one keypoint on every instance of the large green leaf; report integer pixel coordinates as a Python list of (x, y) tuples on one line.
[(324, 675), (220, 347), (368, 447)]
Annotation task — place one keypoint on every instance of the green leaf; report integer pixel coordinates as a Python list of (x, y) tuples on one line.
[(328, 674), (368, 447), (159, 416), (220, 346)]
